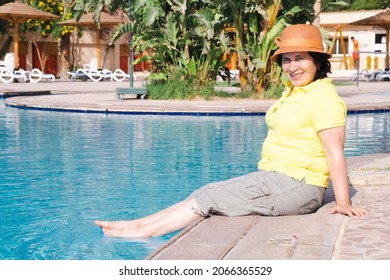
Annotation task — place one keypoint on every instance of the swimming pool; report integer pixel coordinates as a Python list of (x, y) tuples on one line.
[(61, 171)]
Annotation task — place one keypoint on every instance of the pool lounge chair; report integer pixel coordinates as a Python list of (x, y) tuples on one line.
[(119, 76), (7, 76), (81, 74), (7, 72), (37, 75), (91, 72), (95, 76), (369, 76), (383, 76), (364, 75)]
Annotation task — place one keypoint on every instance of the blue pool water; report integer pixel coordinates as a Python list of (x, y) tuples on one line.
[(61, 171)]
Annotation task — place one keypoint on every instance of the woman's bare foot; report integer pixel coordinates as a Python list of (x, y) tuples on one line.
[(124, 232), (166, 221), (117, 224)]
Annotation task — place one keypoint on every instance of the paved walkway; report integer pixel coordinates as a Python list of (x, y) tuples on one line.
[(101, 97), (315, 236), (318, 236)]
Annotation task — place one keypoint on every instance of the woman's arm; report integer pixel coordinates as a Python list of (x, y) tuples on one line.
[(333, 140)]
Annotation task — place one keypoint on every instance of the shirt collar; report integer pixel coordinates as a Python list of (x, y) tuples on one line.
[(305, 89)]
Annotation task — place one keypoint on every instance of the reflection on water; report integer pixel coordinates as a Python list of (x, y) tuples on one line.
[(61, 171), (367, 134)]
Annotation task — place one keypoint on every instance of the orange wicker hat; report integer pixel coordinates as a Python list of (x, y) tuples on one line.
[(299, 38)]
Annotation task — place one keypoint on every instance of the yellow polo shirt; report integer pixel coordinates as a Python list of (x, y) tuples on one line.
[(293, 146)]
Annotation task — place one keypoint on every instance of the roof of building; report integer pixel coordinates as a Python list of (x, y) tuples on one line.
[(346, 17)]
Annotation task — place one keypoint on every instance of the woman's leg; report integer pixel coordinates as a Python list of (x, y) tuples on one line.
[(228, 197), (137, 222), (166, 221)]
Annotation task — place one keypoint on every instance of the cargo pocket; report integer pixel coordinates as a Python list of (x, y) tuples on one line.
[(255, 191), (260, 196)]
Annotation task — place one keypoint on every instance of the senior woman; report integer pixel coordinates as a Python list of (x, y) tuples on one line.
[(303, 151)]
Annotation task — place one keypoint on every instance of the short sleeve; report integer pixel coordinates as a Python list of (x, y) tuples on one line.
[(328, 110)]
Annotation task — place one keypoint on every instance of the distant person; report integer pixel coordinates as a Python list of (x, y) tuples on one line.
[(303, 150), (355, 52)]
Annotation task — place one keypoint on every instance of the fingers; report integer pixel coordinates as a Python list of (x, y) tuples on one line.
[(349, 211), (359, 212)]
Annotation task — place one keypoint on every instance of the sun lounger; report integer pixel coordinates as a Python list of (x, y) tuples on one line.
[(363, 75), (383, 76), (8, 61), (37, 75), (7, 72), (119, 76), (95, 76), (8, 76), (368, 76), (91, 72), (92, 66), (77, 75)]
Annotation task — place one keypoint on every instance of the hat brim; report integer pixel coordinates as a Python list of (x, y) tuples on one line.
[(297, 49)]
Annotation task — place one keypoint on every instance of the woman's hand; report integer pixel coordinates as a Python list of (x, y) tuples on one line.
[(348, 210), (333, 142)]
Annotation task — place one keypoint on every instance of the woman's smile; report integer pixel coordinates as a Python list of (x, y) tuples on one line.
[(299, 68)]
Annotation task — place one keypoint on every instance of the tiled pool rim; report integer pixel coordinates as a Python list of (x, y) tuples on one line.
[(377, 108), (175, 113)]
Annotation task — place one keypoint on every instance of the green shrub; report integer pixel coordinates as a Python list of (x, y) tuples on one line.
[(178, 87), (190, 89)]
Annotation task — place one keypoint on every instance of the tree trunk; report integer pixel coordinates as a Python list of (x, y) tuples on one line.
[(64, 56)]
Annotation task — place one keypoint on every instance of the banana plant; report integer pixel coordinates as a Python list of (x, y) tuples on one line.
[(181, 36), (266, 73), (257, 24), (259, 65), (186, 36), (252, 21)]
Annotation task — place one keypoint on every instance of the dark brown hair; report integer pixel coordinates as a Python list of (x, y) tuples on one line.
[(323, 65)]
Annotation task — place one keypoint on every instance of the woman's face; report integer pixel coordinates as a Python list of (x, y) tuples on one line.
[(299, 68)]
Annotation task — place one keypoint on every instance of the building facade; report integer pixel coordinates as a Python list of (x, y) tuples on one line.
[(339, 27), (372, 39)]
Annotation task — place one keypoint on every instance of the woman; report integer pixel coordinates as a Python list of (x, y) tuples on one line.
[(303, 150)]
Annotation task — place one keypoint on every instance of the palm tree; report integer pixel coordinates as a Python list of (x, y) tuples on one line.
[(185, 37), (257, 24)]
